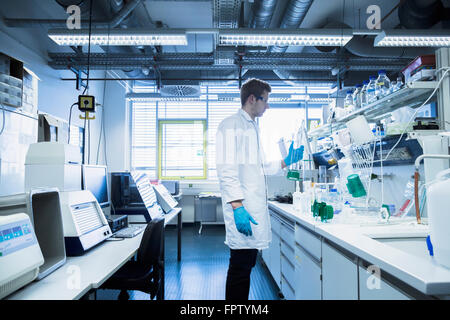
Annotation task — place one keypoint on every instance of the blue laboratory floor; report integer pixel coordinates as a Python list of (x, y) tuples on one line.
[(201, 273)]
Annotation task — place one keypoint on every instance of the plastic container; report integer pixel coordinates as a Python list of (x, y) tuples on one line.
[(355, 96), (348, 102), (297, 201), (334, 200), (360, 130), (355, 186), (383, 85), (363, 94), (438, 202), (371, 90)]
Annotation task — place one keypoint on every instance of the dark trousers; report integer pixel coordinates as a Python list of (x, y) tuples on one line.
[(238, 277)]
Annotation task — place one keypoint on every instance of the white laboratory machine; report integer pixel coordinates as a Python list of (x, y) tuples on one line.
[(43, 209), (20, 254), (53, 164), (164, 197), (85, 225)]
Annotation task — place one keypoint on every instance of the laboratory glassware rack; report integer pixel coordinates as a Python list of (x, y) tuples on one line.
[(412, 95)]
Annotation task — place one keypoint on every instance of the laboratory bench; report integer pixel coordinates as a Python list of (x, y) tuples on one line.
[(310, 259)]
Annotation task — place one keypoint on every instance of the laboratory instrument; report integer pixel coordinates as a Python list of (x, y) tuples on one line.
[(53, 164), (20, 254), (85, 225), (165, 199), (44, 210)]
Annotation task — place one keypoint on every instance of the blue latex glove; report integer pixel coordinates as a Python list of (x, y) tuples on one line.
[(294, 155), (242, 218)]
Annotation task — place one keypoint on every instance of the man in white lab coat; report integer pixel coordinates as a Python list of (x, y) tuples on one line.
[(242, 171)]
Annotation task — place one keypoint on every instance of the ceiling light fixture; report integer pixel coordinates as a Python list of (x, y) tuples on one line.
[(413, 38), (118, 37), (285, 37)]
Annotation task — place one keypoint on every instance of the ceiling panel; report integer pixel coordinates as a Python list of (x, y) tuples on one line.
[(181, 14)]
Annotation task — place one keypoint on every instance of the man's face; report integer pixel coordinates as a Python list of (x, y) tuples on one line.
[(261, 104)]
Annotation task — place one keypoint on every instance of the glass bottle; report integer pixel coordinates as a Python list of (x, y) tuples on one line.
[(362, 95), (383, 85), (355, 96), (370, 96), (348, 102)]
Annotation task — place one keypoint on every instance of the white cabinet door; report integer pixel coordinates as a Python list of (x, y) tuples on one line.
[(275, 267), (339, 275), (308, 282), (373, 287)]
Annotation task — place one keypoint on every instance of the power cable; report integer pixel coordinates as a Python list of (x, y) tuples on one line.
[(70, 118), (417, 110), (89, 47)]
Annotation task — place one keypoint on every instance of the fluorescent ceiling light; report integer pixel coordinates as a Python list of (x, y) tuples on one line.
[(118, 37), (413, 38), (285, 37)]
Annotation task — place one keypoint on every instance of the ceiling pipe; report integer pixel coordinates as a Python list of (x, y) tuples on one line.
[(262, 12), (117, 7), (364, 47), (47, 23), (293, 16)]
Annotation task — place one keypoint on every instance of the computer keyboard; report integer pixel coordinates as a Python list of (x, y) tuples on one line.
[(129, 232)]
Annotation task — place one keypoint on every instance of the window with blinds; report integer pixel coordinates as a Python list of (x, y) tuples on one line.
[(182, 149), (168, 137)]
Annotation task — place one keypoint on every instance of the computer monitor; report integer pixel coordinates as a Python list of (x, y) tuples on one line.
[(95, 180)]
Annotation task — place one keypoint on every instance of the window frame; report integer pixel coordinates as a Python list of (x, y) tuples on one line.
[(160, 122)]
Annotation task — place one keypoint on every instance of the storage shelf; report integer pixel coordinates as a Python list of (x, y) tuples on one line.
[(412, 95)]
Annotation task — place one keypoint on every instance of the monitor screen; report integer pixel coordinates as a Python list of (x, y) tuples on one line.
[(95, 180)]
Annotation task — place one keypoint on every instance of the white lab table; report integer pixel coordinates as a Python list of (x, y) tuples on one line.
[(81, 274), (419, 272)]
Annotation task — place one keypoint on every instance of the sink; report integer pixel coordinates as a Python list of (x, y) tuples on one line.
[(416, 246)]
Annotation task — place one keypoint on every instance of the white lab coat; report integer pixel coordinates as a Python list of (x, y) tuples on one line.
[(242, 170)]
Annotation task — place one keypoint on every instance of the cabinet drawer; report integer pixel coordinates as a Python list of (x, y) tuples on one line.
[(286, 289), (275, 223), (309, 241), (288, 270), (288, 252), (288, 235)]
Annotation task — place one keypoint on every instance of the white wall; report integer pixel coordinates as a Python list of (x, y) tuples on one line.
[(117, 127), (55, 96)]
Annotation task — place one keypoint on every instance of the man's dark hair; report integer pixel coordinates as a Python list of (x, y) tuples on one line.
[(255, 87)]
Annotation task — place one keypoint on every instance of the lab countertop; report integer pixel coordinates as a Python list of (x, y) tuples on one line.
[(412, 265)]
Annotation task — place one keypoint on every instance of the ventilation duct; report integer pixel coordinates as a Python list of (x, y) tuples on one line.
[(262, 12), (420, 14), (292, 19), (114, 22), (180, 90)]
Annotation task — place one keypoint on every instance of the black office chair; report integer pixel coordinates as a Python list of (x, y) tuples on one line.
[(145, 273)]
